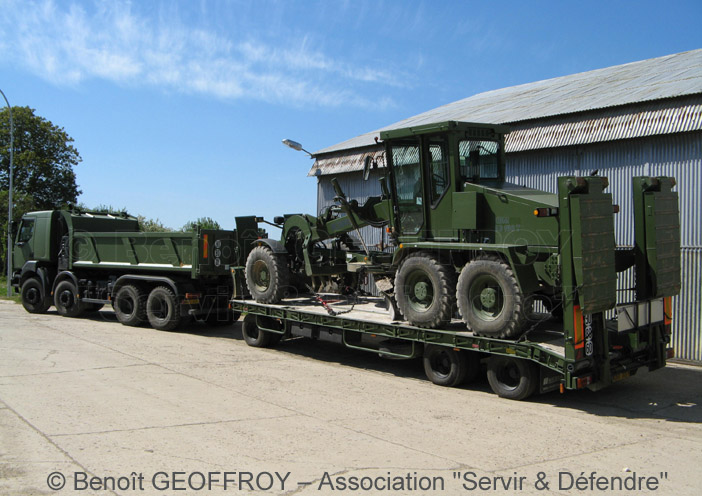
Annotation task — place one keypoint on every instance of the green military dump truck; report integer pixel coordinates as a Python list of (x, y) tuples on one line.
[(79, 261)]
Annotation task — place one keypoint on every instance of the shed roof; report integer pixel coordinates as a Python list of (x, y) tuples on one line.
[(660, 78)]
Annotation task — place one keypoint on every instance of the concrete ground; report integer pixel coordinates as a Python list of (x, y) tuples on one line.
[(138, 411)]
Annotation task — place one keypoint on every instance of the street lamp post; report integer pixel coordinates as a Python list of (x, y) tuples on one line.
[(9, 202)]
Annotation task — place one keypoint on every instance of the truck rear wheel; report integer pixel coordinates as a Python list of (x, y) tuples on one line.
[(425, 291), (448, 367), (490, 300), (267, 275), (66, 299), (512, 378), (130, 305), (32, 299), (162, 309), (255, 336)]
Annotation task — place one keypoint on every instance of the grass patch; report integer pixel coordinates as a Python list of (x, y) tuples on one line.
[(3, 291)]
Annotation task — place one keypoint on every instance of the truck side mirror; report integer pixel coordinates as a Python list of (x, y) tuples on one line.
[(367, 167)]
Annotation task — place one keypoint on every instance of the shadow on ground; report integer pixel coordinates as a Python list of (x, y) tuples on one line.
[(673, 393)]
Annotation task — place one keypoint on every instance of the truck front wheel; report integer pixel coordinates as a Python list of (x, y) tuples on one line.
[(162, 309), (130, 305), (66, 299), (32, 299), (512, 378)]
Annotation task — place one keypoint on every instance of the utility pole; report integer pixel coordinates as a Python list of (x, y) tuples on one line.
[(9, 201)]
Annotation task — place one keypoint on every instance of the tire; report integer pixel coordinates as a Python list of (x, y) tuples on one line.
[(33, 300), (66, 299), (512, 378), (254, 336), (267, 275), (425, 291), (162, 309), (489, 299), (130, 305), (445, 366)]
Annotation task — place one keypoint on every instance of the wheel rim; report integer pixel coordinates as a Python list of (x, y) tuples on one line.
[(509, 375), (487, 298), (126, 306), (419, 291), (441, 363), (159, 309), (261, 276), (32, 296), (66, 299)]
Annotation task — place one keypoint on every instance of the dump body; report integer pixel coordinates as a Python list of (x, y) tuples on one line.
[(81, 260)]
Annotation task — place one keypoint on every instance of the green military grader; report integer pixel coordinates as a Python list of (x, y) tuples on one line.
[(468, 243)]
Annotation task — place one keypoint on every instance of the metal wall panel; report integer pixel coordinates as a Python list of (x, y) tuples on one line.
[(687, 317), (357, 189)]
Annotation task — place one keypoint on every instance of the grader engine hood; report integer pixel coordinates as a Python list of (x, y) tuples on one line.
[(514, 215)]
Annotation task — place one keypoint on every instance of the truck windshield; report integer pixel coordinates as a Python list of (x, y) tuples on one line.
[(26, 230), (479, 160)]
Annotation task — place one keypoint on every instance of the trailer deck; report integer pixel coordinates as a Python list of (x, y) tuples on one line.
[(543, 343)]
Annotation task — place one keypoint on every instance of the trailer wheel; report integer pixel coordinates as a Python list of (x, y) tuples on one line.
[(32, 300), (66, 299), (425, 291), (267, 275), (512, 378), (255, 336), (448, 367), (162, 309), (130, 305), (489, 299)]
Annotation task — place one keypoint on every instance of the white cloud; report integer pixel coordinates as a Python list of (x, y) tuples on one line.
[(67, 45)]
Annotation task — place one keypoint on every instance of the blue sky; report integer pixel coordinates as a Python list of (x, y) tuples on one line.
[(178, 108)]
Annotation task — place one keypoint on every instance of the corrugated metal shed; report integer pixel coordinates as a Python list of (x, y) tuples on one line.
[(672, 76), (643, 118)]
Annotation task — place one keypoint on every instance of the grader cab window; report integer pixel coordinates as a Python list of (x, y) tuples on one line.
[(439, 169), (479, 160), (408, 184)]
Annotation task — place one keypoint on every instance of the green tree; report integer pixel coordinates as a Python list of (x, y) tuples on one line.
[(203, 222), (23, 203), (152, 225), (145, 225), (44, 159), (43, 166)]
